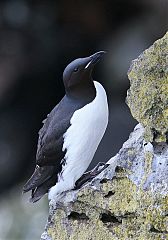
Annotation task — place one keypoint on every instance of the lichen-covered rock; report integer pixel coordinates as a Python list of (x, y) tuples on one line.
[(129, 199), (148, 93)]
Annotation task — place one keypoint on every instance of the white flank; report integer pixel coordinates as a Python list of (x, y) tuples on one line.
[(81, 140)]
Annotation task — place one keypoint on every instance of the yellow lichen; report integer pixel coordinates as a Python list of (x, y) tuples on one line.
[(148, 93), (135, 214)]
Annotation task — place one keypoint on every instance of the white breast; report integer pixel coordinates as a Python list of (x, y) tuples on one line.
[(81, 140)]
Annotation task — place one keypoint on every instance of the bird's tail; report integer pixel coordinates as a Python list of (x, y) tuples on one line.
[(40, 191), (42, 179)]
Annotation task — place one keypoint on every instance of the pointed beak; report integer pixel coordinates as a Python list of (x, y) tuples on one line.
[(93, 59)]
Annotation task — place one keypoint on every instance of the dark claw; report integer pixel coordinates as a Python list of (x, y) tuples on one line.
[(88, 176)]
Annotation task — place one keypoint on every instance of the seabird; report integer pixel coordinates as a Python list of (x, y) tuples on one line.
[(71, 132)]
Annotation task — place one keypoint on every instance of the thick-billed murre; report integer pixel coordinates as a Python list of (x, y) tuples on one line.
[(71, 132)]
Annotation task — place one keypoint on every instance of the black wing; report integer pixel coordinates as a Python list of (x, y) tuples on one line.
[(49, 149)]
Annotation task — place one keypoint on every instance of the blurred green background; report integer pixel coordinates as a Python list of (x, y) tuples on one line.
[(37, 40)]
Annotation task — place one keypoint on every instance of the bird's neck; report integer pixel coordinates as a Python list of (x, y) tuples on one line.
[(86, 92)]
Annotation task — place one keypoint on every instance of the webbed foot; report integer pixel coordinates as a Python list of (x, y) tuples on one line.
[(88, 176)]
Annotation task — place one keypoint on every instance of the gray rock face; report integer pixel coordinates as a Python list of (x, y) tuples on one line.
[(147, 162)]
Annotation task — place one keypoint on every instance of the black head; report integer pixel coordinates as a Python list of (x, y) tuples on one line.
[(77, 76)]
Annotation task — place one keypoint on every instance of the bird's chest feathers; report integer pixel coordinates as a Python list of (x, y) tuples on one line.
[(88, 125)]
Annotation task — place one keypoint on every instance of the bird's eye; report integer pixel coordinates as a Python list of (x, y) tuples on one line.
[(75, 69)]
